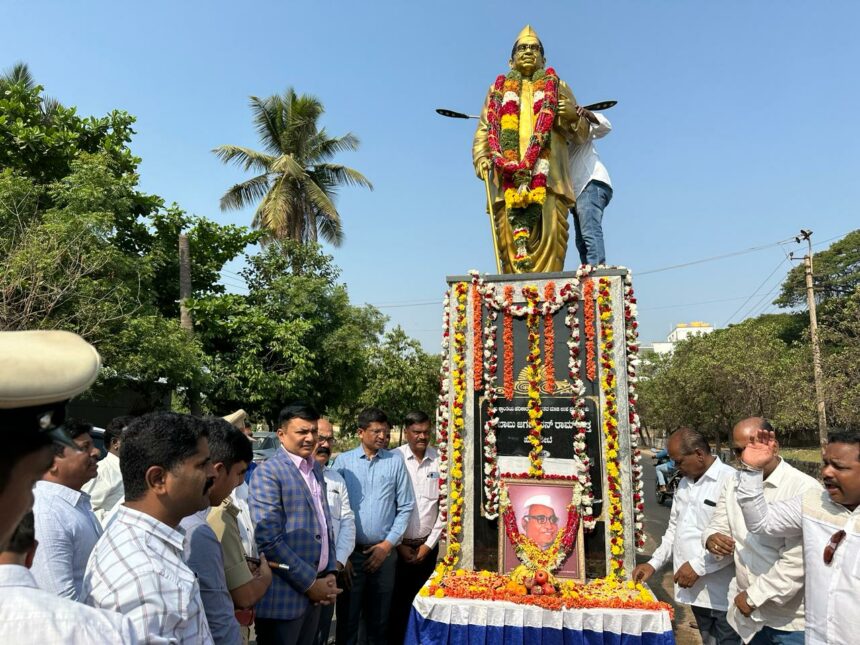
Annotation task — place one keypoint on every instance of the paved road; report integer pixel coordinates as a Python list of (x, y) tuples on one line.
[(656, 520)]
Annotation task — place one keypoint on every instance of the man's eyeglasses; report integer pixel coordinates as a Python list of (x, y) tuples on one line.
[(543, 519), (323, 439), (528, 47), (830, 549)]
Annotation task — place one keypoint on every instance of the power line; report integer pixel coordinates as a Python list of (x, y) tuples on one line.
[(754, 293)]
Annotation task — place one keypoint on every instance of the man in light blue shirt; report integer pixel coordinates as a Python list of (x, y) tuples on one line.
[(380, 494), (66, 527)]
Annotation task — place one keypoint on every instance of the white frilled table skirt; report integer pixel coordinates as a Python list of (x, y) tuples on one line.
[(454, 621)]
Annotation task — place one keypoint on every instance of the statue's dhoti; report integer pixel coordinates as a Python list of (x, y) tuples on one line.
[(547, 245)]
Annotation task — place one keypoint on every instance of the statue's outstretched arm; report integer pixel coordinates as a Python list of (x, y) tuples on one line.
[(574, 126)]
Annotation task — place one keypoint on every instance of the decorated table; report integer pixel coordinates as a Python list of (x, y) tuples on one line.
[(482, 622), (485, 608)]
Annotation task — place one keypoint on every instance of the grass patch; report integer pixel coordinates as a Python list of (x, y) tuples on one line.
[(812, 455)]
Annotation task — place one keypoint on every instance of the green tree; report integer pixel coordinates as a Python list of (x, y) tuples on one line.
[(295, 335), (836, 274), (296, 182)]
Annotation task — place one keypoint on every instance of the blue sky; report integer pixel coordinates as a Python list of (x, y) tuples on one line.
[(736, 125)]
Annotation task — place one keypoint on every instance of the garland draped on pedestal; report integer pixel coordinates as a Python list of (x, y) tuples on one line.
[(533, 376), (549, 342), (631, 327)]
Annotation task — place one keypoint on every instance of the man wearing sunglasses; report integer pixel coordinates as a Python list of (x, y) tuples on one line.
[(766, 594), (827, 521)]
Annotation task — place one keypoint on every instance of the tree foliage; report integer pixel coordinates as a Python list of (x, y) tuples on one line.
[(836, 274)]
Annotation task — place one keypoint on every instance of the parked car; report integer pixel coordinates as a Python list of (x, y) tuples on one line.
[(265, 445)]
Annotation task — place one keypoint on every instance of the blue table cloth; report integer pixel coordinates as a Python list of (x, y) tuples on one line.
[(452, 621)]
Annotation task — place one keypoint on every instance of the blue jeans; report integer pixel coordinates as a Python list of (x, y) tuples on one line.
[(588, 222), (663, 470), (771, 636)]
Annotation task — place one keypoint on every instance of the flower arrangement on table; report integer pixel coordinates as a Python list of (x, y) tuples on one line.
[(542, 589)]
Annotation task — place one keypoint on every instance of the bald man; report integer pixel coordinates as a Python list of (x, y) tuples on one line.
[(766, 594)]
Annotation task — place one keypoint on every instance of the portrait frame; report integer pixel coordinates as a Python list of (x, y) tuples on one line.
[(560, 492)]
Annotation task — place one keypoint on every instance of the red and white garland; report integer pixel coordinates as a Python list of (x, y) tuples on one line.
[(631, 340), (574, 367), (491, 464)]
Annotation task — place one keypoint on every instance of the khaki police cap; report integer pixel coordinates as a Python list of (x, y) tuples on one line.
[(41, 367), (39, 372), (237, 419)]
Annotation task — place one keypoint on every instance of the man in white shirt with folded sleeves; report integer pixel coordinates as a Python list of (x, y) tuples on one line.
[(828, 522), (701, 579), (766, 595), (419, 549)]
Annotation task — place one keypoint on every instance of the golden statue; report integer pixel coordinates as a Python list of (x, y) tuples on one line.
[(527, 121)]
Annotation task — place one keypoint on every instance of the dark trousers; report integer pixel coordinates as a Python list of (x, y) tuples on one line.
[(370, 599), (714, 628), (298, 631), (327, 613), (408, 580)]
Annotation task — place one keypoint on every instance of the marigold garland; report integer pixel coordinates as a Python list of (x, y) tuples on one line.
[(533, 376), (455, 496), (615, 517), (549, 341), (523, 176), (508, 338), (477, 344), (588, 300), (443, 410), (529, 553)]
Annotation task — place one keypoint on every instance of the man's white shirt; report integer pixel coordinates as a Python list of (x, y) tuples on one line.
[(693, 505), (31, 615), (106, 489), (769, 569), (585, 163), (342, 516), (426, 520), (832, 592)]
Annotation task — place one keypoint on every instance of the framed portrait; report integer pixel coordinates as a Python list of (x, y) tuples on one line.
[(540, 508)]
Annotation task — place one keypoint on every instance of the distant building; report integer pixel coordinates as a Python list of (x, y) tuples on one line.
[(682, 331)]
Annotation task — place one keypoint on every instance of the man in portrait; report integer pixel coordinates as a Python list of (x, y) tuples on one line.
[(540, 521)]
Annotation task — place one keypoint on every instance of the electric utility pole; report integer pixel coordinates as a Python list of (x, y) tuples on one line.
[(813, 333)]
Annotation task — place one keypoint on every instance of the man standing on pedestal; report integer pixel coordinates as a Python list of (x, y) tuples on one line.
[(701, 580), (381, 498), (593, 190), (418, 551)]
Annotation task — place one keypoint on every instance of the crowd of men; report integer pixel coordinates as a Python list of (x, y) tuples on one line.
[(169, 540), (764, 554)]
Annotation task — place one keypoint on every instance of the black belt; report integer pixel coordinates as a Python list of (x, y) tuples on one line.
[(415, 542)]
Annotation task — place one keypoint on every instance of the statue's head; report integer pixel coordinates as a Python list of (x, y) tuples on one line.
[(527, 54)]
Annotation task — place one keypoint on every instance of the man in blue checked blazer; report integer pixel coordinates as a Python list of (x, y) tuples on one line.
[(293, 529)]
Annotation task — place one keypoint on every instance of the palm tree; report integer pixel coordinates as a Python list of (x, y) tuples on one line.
[(20, 73), (296, 184)]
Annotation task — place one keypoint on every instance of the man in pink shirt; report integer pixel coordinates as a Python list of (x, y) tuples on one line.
[(293, 530)]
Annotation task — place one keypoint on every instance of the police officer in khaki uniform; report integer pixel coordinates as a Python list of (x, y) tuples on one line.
[(39, 372)]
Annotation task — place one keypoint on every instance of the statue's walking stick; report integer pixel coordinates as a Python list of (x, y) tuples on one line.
[(492, 223)]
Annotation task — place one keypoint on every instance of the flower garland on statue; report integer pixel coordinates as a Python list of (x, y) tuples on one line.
[(632, 345), (610, 431), (549, 341), (533, 375), (529, 553), (579, 414), (490, 507), (455, 497), (443, 410), (523, 177)]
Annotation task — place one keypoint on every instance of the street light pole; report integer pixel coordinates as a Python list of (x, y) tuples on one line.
[(813, 333)]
